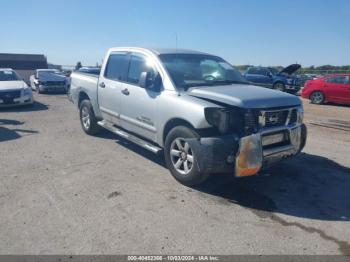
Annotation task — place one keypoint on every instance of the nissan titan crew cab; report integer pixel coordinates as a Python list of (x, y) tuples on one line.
[(193, 106)]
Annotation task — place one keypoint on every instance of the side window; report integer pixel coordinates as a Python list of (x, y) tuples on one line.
[(253, 71), (337, 80), (263, 72), (117, 67), (138, 65), (257, 71)]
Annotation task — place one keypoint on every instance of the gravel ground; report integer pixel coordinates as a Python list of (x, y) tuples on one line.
[(63, 192)]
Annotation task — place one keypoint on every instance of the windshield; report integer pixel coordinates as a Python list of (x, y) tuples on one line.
[(189, 70), (45, 72), (9, 75)]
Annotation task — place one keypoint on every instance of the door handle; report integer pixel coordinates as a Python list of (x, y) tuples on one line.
[(125, 92), (102, 85)]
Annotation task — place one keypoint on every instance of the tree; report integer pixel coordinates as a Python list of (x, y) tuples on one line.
[(78, 66)]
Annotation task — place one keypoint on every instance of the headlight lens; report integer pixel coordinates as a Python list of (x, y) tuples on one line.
[(225, 120), (219, 118), (27, 91)]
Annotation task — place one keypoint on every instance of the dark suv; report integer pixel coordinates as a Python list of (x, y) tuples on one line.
[(283, 80)]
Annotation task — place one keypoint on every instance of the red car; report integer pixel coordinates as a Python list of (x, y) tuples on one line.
[(330, 88)]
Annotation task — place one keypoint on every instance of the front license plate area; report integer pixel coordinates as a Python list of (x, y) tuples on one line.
[(273, 139)]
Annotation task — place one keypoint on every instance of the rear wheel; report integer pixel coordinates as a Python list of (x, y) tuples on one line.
[(317, 98), (181, 159), (87, 118)]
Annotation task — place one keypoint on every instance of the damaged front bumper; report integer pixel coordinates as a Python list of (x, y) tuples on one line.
[(246, 156)]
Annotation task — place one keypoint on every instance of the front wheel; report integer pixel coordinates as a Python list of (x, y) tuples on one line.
[(181, 159), (279, 86), (87, 118)]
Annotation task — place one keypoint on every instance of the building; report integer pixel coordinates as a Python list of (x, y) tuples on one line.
[(24, 64)]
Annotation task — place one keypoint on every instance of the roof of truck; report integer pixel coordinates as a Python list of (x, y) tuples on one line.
[(160, 51)]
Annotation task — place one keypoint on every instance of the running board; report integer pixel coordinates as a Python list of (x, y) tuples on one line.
[(130, 137)]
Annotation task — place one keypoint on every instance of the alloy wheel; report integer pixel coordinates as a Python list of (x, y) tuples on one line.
[(181, 156)]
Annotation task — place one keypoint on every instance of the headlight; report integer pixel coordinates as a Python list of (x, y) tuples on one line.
[(225, 120), (219, 118), (27, 91), (289, 81)]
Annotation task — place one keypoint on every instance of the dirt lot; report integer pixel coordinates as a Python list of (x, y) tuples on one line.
[(63, 192)]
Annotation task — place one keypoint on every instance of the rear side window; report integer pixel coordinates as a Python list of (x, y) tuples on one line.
[(257, 71), (337, 80), (117, 67)]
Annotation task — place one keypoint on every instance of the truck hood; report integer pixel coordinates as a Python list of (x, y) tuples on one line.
[(47, 77), (245, 96), (11, 85), (290, 69)]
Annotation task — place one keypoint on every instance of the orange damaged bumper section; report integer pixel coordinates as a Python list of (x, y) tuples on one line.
[(250, 156)]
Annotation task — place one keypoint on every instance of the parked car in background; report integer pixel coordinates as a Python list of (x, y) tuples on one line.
[(48, 80), (13, 89), (194, 107), (283, 80), (331, 88)]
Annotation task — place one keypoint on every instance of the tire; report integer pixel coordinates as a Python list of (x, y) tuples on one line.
[(191, 175), (279, 86), (87, 118), (317, 98), (38, 90)]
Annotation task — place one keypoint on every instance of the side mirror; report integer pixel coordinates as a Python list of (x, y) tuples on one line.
[(269, 74), (143, 79), (149, 81)]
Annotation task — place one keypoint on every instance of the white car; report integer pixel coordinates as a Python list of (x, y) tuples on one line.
[(13, 90)]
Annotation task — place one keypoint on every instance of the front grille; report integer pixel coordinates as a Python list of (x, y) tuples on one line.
[(277, 118), (250, 122), (6, 95), (293, 117), (54, 83)]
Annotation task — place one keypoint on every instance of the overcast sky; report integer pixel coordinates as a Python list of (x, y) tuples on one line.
[(310, 32)]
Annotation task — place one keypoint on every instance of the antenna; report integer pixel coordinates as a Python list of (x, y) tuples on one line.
[(176, 41)]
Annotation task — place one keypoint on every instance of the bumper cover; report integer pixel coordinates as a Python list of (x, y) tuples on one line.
[(23, 100), (245, 156), (293, 87), (52, 88)]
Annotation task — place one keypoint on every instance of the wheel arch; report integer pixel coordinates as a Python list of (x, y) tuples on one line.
[(278, 81), (170, 124), (82, 96)]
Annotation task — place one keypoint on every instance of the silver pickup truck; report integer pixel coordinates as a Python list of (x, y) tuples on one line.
[(193, 106)]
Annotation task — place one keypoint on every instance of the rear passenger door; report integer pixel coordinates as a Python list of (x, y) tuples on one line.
[(111, 85)]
